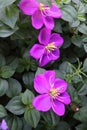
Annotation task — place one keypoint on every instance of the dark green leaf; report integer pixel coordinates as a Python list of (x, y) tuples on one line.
[(16, 106), (46, 2), (3, 112), (63, 126), (83, 29), (14, 88), (4, 3), (11, 15), (82, 114), (73, 94), (28, 78), (6, 31), (83, 90), (3, 87), (6, 72), (32, 117), (85, 65), (68, 13), (14, 123), (81, 127), (39, 71), (27, 97), (2, 60), (51, 118), (77, 40), (65, 67)]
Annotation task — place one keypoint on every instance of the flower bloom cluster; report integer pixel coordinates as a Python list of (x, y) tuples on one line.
[(41, 14), (52, 91), (48, 49), (3, 125)]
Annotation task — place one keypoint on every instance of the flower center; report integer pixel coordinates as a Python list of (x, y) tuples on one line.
[(50, 47), (54, 93), (43, 7)]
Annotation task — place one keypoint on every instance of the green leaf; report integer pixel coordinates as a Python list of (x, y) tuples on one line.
[(27, 97), (4, 3), (3, 87), (6, 72), (82, 114), (77, 40), (32, 117), (11, 15), (3, 112), (81, 8), (51, 118), (66, 1), (14, 88), (16, 106), (85, 65), (77, 78), (13, 62), (46, 2), (73, 94), (81, 127), (14, 123), (74, 23), (85, 47), (68, 13), (63, 126), (83, 90), (58, 27), (28, 78), (65, 68), (81, 17), (59, 74), (2, 60), (26, 126), (6, 31), (83, 29), (39, 71)]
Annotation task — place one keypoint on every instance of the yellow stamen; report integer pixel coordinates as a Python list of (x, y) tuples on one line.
[(50, 47), (42, 7), (54, 93)]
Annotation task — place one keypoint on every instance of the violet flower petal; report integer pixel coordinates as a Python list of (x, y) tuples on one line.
[(64, 98), (57, 39), (49, 22), (37, 51), (55, 12), (42, 102), (61, 85), (50, 76), (45, 59), (54, 55), (44, 36), (37, 20), (3, 125), (41, 84), (28, 6), (58, 107)]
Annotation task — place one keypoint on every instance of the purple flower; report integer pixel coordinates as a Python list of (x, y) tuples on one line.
[(41, 14), (3, 125), (52, 93), (48, 49)]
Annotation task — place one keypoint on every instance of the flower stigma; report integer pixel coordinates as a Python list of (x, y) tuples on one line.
[(43, 7), (50, 47), (54, 93)]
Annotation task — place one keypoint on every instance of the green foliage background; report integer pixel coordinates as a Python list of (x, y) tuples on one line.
[(18, 69)]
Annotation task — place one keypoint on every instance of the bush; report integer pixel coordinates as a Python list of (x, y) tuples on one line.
[(18, 68)]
